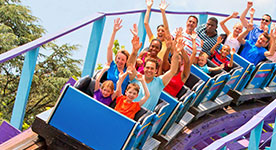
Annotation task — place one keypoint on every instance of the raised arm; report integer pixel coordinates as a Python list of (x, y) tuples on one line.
[(146, 90), (222, 23), (219, 40), (99, 76), (166, 63), (244, 33), (136, 45), (117, 26), (118, 91), (173, 70), (272, 47), (252, 12), (243, 19), (187, 67), (146, 20), (216, 68), (230, 65), (193, 55), (163, 5)]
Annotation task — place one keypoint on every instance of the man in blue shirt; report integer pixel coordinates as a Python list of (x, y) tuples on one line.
[(255, 52), (257, 30)]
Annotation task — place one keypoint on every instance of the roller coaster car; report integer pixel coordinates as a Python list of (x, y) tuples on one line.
[(256, 87), (80, 122)]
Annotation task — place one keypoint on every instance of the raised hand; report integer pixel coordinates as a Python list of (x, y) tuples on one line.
[(250, 27), (136, 45), (178, 33), (163, 5), (222, 66), (168, 40), (134, 31), (180, 46), (234, 14), (252, 12), (249, 4), (194, 35), (233, 51), (139, 77), (149, 3), (219, 39), (117, 24), (273, 32)]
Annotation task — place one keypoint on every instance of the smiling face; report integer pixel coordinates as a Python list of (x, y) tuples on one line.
[(161, 33), (150, 69), (106, 91), (265, 21), (131, 93), (154, 48), (237, 29), (262, 41), (191, 23), (202, 60), (225, 50), (211, 26), (120, 60)]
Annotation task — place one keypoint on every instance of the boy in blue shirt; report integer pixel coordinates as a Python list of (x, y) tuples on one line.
[(256, 52)]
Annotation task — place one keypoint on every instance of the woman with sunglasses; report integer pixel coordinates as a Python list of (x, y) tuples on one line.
[(257, 30)]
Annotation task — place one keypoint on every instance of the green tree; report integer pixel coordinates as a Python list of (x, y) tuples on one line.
[(17, 27)]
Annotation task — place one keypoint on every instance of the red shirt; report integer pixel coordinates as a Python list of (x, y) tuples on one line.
[(126, 108), (174, 85), (216, 59)]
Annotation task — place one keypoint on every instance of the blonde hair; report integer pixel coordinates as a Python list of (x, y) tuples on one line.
[(108, 84)]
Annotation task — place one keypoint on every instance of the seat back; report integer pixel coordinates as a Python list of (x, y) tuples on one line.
[(261, 76), (91, 122), (247, 70), (86, 85)]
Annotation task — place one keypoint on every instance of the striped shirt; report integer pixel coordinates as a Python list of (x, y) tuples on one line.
[(208, 42), (189, 44)]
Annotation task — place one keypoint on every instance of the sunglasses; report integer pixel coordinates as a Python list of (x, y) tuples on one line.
[(265, 20)]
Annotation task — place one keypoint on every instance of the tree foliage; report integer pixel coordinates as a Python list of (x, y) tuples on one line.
[(17, 27)]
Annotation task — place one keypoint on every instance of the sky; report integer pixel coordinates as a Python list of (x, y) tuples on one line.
[(55, 15)]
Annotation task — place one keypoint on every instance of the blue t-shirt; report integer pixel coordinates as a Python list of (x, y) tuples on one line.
[(204, 68), (113, 75), (254, 34), (155, 88), (252, 53)]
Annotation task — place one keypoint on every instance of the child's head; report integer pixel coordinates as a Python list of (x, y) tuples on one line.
[(237, 29), (107, 88), (202, 59), (225, 50), (132, 91)]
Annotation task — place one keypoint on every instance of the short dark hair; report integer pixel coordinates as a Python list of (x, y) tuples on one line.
[(160, 42), (268, 16), (266, 35), (152, 60), (214, 19), (161, 25), (192, 16)]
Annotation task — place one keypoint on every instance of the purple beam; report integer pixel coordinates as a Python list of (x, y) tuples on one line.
[(7, 131), (246, 128), (47, 38)]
